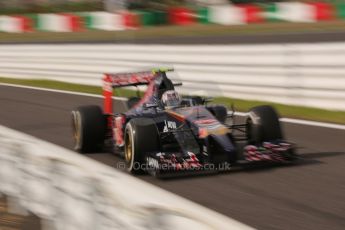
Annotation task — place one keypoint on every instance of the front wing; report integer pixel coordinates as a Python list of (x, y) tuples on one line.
[(173, 164)]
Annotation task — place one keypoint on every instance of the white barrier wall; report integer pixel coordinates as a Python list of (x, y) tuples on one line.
[(72, 192), (297, 74)]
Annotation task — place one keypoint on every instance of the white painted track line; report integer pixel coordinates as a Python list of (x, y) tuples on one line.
[(287, 120)]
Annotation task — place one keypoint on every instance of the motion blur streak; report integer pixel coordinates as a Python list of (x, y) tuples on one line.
[(308, 195), (297, 74), (69, 191), (288, 120)]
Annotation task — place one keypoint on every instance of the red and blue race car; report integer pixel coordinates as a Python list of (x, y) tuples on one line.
[(163, 133)]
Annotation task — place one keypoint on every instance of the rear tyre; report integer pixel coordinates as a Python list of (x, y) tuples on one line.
[(89, 125), (141, 136), (263, 125)]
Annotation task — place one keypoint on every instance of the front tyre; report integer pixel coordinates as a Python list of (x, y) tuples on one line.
[(263, 125), (89, 125), (141, 137)]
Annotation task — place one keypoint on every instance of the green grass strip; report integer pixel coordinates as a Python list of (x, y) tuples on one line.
[(290, 111), (59, 85)]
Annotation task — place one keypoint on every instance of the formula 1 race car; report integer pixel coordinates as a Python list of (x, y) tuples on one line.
[(163, 133)]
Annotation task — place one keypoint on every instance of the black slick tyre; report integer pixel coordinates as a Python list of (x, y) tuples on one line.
[(141, 136), (89, 125), (263, 125)]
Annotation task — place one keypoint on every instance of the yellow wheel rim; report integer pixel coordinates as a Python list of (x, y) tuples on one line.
[(128, 148), (76, 128)]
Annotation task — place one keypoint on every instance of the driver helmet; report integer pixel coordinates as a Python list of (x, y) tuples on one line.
[(171, 99)]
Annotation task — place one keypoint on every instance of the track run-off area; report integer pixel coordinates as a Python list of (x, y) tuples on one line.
[(307, 195)]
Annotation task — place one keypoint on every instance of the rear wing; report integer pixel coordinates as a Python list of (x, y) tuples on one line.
[(116, 80), (128, 79)]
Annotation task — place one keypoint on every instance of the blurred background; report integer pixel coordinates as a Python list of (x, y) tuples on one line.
[(288, 54), (184, 12), (44, 6)]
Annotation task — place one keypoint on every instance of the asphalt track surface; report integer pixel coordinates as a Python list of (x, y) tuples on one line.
[(254, 38), (307, 195), (10, 221)]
